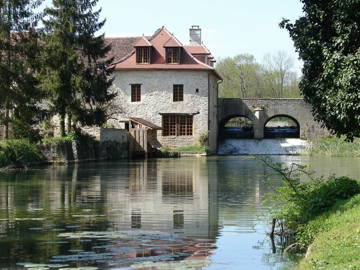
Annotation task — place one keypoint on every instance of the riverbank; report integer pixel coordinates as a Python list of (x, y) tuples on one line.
[(336, 245), (335, 147), (321, 217), (185, 151), (20, 154)]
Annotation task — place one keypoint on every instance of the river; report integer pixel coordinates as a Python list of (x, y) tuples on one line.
[(187, 213)]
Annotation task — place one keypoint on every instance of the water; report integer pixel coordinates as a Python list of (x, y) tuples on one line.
[(198, 213), (288, 146)]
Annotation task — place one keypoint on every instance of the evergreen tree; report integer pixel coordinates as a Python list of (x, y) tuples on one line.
[(76, 73), (19, 95)]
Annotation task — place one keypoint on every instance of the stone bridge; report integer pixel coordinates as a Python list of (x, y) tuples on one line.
[(261, 111)]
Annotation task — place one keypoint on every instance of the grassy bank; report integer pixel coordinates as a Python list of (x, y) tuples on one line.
[(336, 244), (336, 147), (186, 149), (321, 216)]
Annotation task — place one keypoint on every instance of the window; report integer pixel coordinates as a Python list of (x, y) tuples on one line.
[(136, 219), (143, 55), (178, 92), (177, 125), (135, 92), (178, 219), (173, 55)]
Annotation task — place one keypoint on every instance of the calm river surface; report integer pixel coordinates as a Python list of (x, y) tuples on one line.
[(188, 213)]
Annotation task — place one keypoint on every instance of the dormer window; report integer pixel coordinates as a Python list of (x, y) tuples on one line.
[(143, 55), (173, 55)]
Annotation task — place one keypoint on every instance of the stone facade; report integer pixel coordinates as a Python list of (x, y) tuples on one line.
[(157, 99)]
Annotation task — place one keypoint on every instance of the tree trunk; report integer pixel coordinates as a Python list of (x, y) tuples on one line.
[(6, 124), (62, 125), (69, 123)]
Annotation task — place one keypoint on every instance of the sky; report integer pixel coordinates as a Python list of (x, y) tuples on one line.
[(229, 27)]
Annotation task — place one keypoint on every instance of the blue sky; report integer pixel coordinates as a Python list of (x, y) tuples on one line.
[(229, 27)]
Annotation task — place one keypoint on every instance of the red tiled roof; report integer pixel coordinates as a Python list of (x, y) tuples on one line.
[(172, 42), (197, 49), (161, 37), (143, 42)]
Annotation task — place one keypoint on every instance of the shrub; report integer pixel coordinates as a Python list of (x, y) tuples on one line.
[(18, 151), (308, 200), (204, 139), (299, 202)]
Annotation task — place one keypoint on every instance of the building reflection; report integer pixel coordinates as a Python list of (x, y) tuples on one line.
[(164, 195)]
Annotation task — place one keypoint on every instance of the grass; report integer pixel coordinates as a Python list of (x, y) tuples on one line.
[(336, 147), (55, 140), (337, 243), (186, 149)]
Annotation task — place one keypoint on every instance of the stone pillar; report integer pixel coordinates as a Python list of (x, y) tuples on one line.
[(259, 123)]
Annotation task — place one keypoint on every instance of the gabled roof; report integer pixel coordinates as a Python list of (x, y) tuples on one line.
[(172, 42), (161, 38), (143, 42)]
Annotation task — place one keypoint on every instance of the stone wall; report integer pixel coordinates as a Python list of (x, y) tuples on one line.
[(114, 145), (269, 108), (157, 98)]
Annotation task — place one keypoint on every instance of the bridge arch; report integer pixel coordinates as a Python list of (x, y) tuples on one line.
[(236, 126), (281, 126)]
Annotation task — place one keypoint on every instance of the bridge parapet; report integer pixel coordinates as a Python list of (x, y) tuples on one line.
[(260, 111)]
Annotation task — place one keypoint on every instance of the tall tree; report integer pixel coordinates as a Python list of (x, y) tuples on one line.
[(76, 73), (244, 77), (327, 38), (277, 73), (19, 95)]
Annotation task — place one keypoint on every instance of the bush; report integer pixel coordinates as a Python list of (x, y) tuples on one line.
[(204, 139), (301, 202), (18, 152), (298, 202)]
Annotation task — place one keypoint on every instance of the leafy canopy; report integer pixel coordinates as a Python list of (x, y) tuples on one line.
[(75, 70), (327, 38)]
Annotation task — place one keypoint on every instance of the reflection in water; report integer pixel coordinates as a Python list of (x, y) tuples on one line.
[(171, 209)]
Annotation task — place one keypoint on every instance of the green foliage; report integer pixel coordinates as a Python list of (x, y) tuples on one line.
[(298, 202), (75, 72), (244, 77), (334, 238), (335, 147), (19, 95), (80, 137), (327, 38), (18, 152), (204, 140), (190, 149)]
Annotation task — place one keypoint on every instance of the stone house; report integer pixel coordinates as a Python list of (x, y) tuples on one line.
[(162, 81)]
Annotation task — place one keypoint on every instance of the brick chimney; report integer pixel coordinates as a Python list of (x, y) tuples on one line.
[(195, 35)]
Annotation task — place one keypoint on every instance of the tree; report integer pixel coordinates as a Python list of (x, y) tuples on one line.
[(76, 73), (277, 73), (327, 38), (19, 94), (244, 77)]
